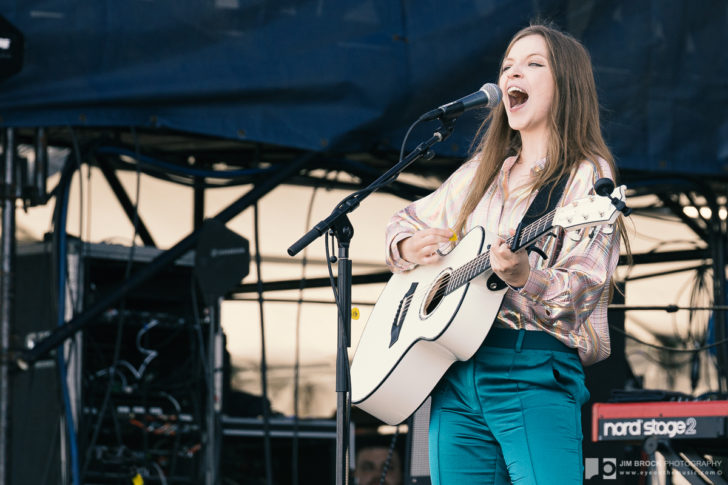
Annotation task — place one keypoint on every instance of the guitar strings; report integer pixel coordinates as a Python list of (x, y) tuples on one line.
[(464, 273), (453, 280)]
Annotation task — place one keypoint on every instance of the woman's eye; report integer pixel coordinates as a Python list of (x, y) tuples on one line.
[(535, 64), (505, 68)]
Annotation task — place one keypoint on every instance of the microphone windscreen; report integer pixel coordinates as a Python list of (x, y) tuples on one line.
[(494, 94)]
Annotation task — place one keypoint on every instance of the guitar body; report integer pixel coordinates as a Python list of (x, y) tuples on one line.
[(414, 333)]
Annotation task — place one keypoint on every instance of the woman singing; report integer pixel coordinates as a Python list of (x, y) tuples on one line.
[(512, 412)]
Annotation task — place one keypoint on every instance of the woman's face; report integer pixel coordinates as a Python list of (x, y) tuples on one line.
[(528, 85)]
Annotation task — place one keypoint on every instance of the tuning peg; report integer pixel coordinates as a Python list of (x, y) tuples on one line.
[(604, 187), (621, 206)]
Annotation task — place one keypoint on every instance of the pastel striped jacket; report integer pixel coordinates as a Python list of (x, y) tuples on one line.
[(565, 295)]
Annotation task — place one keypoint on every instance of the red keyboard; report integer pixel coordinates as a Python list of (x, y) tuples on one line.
[(636, 421)]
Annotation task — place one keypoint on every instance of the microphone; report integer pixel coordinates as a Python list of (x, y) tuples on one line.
[(489, 95)]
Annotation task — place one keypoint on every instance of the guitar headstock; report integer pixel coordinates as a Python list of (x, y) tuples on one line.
[(590, 211)]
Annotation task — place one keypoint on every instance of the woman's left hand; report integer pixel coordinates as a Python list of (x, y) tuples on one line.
[(513, 268)]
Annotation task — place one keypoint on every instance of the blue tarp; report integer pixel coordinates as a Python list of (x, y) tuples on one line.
[(352, 75)]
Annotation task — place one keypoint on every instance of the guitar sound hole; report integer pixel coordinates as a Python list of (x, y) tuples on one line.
[(437, 292)]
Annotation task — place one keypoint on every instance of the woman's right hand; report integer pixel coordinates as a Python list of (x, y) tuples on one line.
[(422, 246)]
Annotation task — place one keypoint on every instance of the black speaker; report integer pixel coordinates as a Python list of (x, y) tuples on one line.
[(155, 414), (222, 259), (417, 464), (36, 426)]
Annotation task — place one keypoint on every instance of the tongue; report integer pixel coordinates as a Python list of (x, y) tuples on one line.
[(517, 99)]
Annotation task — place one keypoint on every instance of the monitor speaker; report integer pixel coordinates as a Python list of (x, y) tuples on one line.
[(417, 464)]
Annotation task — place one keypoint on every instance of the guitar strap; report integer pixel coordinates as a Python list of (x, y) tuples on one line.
[(542, 204)]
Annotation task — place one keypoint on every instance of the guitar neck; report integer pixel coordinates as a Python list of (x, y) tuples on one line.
[(481, 263)]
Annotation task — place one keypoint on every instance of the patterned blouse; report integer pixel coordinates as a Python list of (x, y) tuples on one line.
[(567, 294)]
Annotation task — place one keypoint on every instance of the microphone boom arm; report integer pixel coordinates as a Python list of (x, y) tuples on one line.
[(351, 202)]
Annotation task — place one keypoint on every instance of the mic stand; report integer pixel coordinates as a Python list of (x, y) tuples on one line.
[(343, 231)]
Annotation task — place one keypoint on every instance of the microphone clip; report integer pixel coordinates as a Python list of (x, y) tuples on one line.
[(447, 126)]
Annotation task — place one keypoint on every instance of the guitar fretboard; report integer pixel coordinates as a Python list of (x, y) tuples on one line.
[(481, 263)]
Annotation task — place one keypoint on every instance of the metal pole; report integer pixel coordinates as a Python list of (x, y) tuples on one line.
[(198, 216), (344, 231), (168, 257), (717, 246), (213, 406), (7, 289)]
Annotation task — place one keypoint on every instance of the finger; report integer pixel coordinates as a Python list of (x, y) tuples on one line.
[(441, 234), (423, 240), (439, 230), (500, 248), (437, 239), (505, 248), (431, 247), (495, 262), (424, 254), (432, 258)]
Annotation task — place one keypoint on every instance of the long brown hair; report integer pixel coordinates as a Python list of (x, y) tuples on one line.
[(574, 130)]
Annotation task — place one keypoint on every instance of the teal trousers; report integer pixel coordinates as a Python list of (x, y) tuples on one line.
[(510, 414)]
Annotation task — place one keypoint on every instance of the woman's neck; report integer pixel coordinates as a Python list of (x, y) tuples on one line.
[(533, 147)]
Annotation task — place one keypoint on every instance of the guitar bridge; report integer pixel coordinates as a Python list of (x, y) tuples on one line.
[(399, 317)]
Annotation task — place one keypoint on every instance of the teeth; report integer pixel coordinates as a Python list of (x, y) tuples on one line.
[(514, 89)]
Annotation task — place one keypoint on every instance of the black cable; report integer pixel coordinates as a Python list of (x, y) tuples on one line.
[(645, 212), (297, 354), (190, 327), (180, 174), (60, 274), (665, 273), (119, 328), (700, 287), (303, 300), (75, 301), (406, 136), (263, 361), (208, 372), (671, 349), (144, 392), (329, 261), (347, 201), (388, 460), (89, 197), (52, 446), (656, 247), (79, 162), (660, 362)]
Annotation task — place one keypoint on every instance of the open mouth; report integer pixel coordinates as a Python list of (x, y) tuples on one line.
[(516, 96)]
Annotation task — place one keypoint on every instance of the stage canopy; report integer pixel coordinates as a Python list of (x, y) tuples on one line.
[(350, 76), (288, 91)]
